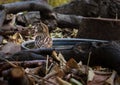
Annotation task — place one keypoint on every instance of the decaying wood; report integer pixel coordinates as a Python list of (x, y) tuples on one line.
[(27, 6), (25, 64), (102, 54), (33, 54), (16, 7), (71, 21), (99, 29), (91, 8)]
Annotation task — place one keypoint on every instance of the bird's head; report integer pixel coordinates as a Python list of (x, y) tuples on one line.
[(42, 28)]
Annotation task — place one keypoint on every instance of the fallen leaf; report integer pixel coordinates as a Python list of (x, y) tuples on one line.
[(4, 41), (60, 72), (74, 33), (72, 63), (17, 38), (91, 74)]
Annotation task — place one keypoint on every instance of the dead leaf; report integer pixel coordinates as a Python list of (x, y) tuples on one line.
[(55, 56), (60, 72), (74, 33), (91, 74), (4, 41), (62, 59), (17, 38), (72, 63)]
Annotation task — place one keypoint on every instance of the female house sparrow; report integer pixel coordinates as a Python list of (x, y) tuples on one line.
[(43, 39)]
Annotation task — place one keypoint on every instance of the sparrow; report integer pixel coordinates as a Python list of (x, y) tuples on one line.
[(43, 39)]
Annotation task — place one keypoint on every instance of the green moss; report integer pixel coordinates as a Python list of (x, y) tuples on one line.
[(55, 3), (7, 1)]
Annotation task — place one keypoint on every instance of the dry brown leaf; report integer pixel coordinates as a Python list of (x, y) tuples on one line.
[(72, 64), (60, 72), (74, 33), (55, 56), (17, 38), (4, 41), (62, 59)]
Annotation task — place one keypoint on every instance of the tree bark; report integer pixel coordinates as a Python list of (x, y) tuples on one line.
[(91, 8)]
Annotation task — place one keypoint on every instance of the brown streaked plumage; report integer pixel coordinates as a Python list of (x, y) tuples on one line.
[(43, 39)]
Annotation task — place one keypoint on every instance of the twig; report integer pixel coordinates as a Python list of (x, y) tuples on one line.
[(13, 65), (47, 64)]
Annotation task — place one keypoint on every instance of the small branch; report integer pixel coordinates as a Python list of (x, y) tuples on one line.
[(27, 6), (31, 64), (73, 21)]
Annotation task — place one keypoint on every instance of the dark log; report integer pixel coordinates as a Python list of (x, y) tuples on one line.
[(102, 54), (25, 64), (62, 20), (99, 29), (70, 21), (11, 29), (26, 55), (16, 7), (27, 6), (73, 21), (91, 8), (33, 54)]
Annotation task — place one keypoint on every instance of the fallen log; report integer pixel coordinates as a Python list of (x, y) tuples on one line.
[(91, 8), (16, 7), (24, 64), (99, 54)]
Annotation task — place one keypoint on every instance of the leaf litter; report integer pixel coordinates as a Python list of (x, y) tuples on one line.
[(53, 73)]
